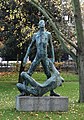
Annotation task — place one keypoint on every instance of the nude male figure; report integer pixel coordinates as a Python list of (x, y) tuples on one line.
[(42, 39)]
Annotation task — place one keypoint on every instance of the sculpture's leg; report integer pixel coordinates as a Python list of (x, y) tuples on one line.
[(45, 64), (47, 86), (48, 74), (33, 66), (28, 90), (22, 89)]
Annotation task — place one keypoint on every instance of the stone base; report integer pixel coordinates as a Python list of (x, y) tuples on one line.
[(45, 103)]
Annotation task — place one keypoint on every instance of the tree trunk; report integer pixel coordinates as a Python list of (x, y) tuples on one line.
[(80, 39), (21, 66), (21, 70)]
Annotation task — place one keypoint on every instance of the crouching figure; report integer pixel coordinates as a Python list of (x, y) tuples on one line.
[(37, 89)]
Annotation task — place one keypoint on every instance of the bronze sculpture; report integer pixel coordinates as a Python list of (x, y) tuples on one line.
[(42, 39)]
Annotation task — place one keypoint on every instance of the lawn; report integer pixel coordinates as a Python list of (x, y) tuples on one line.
[(70, 88)]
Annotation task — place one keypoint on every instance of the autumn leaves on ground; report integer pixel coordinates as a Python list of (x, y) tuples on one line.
[(8, 92)]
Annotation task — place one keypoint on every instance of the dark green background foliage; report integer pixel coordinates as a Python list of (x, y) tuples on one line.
[(18, 21)]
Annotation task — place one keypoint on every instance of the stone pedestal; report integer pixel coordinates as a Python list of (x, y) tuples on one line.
[(45, 103)]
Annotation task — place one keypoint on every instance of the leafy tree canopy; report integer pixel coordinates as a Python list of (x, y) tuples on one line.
[(19, 19)]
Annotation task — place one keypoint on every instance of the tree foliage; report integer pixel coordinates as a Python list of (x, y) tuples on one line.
[(16, 26), (19, 19)]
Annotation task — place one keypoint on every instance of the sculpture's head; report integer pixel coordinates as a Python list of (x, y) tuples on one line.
[(41, 24)]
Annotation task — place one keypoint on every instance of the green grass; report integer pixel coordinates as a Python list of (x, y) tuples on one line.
[(68, 76), (40, 76), (8, 92)]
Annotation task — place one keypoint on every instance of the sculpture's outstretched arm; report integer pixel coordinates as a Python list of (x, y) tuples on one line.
[(28, 50)]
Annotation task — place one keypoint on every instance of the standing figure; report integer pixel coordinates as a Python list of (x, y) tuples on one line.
[(41, 39)]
